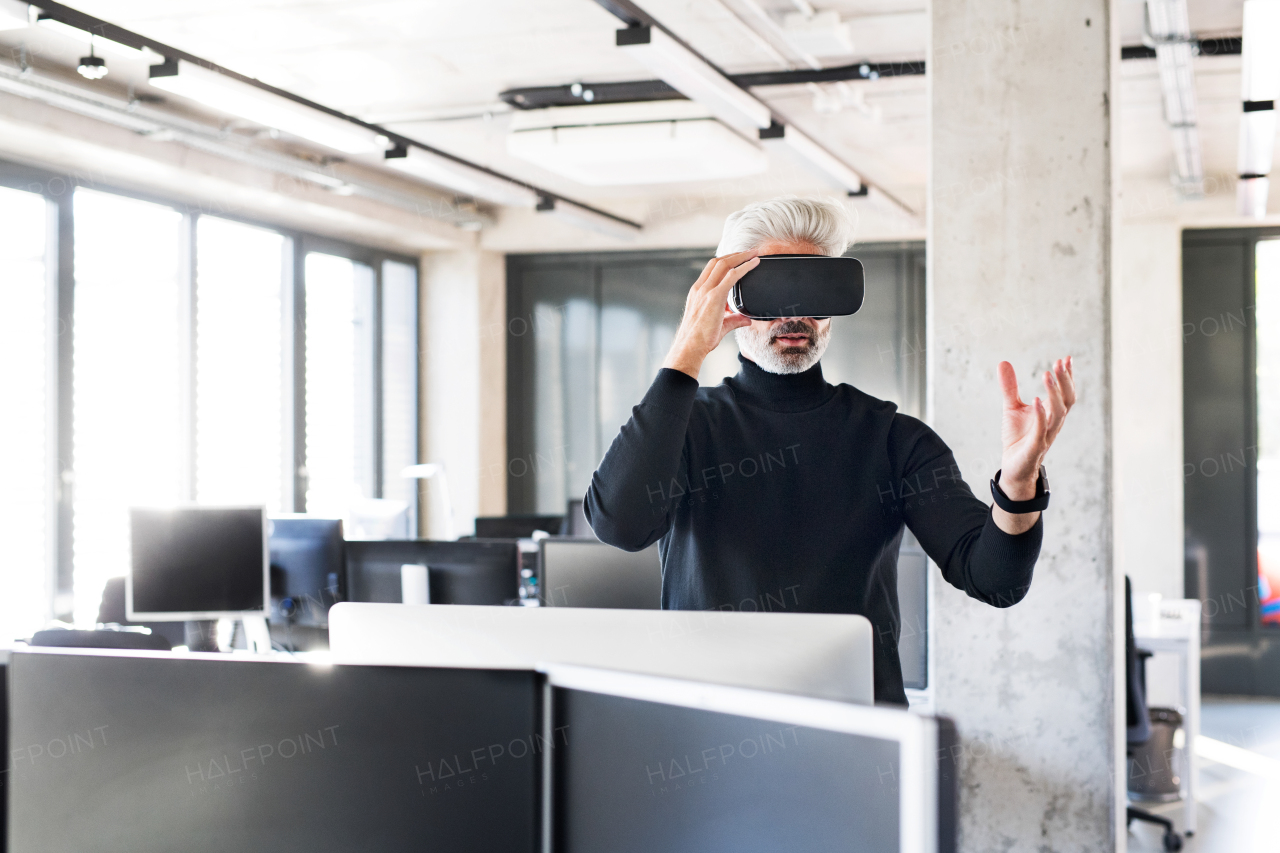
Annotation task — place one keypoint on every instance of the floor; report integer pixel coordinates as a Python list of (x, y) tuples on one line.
[(1238, 811)]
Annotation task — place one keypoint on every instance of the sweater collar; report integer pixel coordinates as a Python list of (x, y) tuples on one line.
[(792, 392)]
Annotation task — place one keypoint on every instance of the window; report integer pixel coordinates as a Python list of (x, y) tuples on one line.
[(26, 312), (240, 379), (339, 385), (127, 409), (399, 381), (1267, 331), (182, 357)]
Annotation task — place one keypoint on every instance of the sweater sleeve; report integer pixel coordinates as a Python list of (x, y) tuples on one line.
[(628, 503), (956, 529)]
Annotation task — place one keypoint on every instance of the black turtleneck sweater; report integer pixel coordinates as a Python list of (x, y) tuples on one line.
[(774, 493)]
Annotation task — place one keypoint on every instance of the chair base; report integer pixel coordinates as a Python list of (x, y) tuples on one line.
[(1172, 840)]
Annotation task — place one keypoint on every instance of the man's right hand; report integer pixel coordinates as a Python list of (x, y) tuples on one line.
[(707, 318)]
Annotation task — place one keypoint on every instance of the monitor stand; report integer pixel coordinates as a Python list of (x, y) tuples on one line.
[(202, 635), (257, 636)]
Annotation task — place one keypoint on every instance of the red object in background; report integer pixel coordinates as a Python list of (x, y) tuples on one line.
[(1269, 585)]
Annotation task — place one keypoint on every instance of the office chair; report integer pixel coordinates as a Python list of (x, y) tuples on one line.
[(1138, 722)]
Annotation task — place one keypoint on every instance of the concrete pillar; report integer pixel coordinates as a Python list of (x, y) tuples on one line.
[(1020, 248), (1146, 310), (463, 309)]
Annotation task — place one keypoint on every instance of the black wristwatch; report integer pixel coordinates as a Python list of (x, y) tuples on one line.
[(1036, 504)]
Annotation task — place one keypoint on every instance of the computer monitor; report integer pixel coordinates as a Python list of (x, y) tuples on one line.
[(827, 655), (575, 521), (517, 526), (193, 563), (643, 763), (308, 569), (472, 571), (132, 751), (588, 573)]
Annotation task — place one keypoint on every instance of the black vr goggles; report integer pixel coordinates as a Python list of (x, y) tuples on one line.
[(799, 286)]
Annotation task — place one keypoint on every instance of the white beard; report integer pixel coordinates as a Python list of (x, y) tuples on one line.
[(759, 347)]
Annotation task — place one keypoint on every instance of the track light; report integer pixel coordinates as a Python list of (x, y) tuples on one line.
[(694, 77), (229, 95), (589, 220), (92, 67), (459, 177)]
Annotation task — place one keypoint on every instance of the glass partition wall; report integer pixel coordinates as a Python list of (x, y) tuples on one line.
[(587, 333), (155, 354)]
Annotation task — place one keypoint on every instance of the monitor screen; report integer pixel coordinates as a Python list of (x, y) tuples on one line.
[(577, 572), (642, 776), (474, 571), (197, 563), (184, 753), (308, 559)]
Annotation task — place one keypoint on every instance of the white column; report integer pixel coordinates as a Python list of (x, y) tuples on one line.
[(1020, 248), (1146, 307), (464, 386)]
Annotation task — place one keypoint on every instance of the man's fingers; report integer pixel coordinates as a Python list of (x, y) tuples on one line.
[(720, 267), (1042, 421), (1067, 380), (1009, 385), (732, 276), (1057, 406)]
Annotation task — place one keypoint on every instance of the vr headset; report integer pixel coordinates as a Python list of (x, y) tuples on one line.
[(799, 286)]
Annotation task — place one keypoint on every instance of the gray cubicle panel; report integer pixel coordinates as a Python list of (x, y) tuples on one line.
[(581, 572), (159, 752), (643, 764)]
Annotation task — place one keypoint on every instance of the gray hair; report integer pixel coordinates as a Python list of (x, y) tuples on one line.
[(823, 223)]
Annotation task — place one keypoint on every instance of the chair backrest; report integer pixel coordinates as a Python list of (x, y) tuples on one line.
[(1137, 718)]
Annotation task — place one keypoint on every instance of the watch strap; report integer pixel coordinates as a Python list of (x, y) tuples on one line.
[(1036, 504)]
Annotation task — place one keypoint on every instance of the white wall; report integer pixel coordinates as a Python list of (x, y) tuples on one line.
[(464, 386), (1146, 312)]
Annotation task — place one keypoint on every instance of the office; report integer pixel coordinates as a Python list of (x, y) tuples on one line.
[(459, 241)]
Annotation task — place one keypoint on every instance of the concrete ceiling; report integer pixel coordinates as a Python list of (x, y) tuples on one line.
[(433, 70)]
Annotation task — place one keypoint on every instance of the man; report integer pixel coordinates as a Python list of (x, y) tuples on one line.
[(778, 490)]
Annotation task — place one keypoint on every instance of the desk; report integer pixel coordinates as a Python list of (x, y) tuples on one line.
[(1173, 627)]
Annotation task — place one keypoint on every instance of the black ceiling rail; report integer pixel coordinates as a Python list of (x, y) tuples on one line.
[(1216, 46), (105, 29), (536, 97), (636, 91)]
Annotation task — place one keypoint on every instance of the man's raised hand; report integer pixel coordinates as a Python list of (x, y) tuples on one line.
[(706, 319), (1027, 430)]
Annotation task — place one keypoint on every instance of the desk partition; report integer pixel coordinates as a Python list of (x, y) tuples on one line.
[(137, 753), (148, 752)]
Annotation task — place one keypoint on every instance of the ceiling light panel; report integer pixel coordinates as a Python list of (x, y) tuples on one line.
[(822, 34), (1259, 89), (461, 179), (640, 153), (1257, 141), (694, 77), (1260, 52), (228, 95), (14, 15)]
